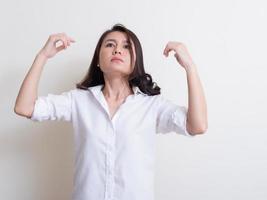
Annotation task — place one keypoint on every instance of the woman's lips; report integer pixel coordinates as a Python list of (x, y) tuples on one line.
[(116, 59)]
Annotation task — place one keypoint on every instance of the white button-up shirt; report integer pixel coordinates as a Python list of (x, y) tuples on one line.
[(114, 158)]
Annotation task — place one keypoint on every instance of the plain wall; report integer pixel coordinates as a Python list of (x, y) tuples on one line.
[(227, 40)]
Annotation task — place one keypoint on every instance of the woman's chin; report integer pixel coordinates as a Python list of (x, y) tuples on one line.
[(116, 71)]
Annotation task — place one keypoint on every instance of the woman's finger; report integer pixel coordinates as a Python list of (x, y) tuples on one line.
[(60, 48), (166, 50), (71, 39), (61, 37), (62, 43), (66, 40)]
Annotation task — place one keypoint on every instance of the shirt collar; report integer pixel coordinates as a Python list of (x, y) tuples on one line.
[(137, 90), (97, 89)]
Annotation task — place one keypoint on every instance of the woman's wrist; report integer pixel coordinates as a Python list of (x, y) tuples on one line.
[(191, 68), (40, 55)]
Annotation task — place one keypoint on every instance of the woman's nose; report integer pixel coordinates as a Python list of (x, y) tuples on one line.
[(116, 51)]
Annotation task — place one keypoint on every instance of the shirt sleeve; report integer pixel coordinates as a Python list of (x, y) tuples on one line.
[(53, 107), (171, 117)]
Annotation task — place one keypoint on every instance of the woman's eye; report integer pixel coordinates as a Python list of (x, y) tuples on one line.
[(109, 45), (127, 46)]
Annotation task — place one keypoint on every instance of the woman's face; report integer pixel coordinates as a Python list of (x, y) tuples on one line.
[(114, 55)]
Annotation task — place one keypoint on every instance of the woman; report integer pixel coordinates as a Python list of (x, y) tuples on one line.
[(115, 111)]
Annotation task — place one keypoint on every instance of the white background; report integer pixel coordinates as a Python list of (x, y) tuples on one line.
[(227, 40)]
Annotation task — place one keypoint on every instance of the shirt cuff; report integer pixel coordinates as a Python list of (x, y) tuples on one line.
[(180, 118)]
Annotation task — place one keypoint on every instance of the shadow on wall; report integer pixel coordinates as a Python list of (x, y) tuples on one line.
[(37, 160)]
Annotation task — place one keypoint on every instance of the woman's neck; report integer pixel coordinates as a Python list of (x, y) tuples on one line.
[(116, 89)]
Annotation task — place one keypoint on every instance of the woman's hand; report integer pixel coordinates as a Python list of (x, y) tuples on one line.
[(50, 48), (181, 54)]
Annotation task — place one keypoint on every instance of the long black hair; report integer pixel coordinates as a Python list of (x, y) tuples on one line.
[(138, 77)]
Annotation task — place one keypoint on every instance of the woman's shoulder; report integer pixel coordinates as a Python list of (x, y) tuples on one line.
[(78, 91), (148, 99), (75, 92)]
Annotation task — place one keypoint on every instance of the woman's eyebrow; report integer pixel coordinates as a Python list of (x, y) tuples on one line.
[(113, 40)]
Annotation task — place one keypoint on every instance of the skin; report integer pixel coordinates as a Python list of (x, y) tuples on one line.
[(28, 92), (197, 121), (115, 74)]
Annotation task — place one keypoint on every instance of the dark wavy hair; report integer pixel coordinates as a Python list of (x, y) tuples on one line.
[(138, 77)]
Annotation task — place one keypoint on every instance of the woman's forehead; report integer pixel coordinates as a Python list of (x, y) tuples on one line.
[(116, 36)]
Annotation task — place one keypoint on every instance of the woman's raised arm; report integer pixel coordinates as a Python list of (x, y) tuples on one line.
[(197, 119), (28, 92)]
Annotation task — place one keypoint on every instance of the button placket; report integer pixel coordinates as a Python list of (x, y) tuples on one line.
[(110, 161)]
